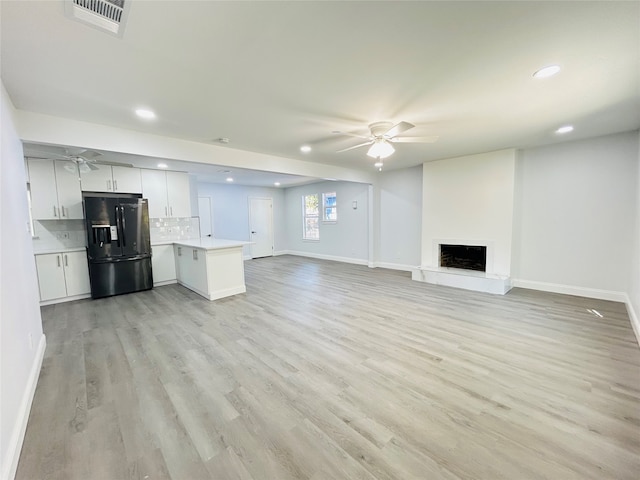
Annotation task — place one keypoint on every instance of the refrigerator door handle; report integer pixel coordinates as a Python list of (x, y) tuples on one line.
[(123, 225), (118, 226)]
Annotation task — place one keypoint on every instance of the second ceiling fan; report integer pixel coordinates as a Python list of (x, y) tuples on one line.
[(383, 135)]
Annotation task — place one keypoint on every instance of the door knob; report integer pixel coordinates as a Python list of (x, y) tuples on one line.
[(253, 232)]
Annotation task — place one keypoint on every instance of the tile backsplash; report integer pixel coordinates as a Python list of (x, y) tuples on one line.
[(60, 234), (167, 229), (52, 234)]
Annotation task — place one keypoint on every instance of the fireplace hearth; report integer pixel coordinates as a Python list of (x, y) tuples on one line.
[(466, 257)]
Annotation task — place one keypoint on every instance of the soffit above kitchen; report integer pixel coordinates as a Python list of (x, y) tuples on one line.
[(204, 173), (274, 76)]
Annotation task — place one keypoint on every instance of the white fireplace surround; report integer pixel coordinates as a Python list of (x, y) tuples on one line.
[(489, 281)]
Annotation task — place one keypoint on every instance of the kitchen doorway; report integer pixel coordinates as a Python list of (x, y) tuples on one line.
[(261, 226), (206, 223)]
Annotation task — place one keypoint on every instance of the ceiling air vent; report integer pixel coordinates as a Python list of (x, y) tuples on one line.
[(106, 15)]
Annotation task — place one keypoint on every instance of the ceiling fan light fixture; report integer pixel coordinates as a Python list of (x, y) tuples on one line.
[(381, 149)]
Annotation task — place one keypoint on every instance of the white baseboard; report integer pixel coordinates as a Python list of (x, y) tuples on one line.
[(321, 256), (571, 290), (633, 316), (165, 282), (394, 266), (65, 299), (10, 464)]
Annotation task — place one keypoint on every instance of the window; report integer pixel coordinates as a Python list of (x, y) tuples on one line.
[(310, 214), (330, 208)]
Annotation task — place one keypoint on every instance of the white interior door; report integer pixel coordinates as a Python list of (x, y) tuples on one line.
[(204, 210), (261, 226)]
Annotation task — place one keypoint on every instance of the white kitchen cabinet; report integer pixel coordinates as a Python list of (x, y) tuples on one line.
[(213, 268), (154, 188), (191, 268), (178, 194), (163, 264), (55, 190), (107, 178), (62, 275), (168, 193)]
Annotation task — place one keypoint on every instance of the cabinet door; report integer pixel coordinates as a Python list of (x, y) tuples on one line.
[(76, 273), (178, 194), (163, 263), (44, 195), (99, 180), (154, 188), (183, 263), (126, 180), (69, 194), (199, 270), (51, 276)]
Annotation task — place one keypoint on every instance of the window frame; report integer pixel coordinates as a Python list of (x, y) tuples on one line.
[(326, 206), (310, 216)]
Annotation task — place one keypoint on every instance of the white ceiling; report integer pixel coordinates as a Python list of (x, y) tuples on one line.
[(272, 76)]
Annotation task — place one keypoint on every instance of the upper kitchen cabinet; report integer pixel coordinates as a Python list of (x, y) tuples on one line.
[(107, 178), (55, 190), (168, 193), (178, 194)]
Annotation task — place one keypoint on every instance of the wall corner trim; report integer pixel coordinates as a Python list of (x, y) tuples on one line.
[(10, 462), (633, 316)]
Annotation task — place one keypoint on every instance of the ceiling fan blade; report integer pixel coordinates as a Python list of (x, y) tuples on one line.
[(41, 155), (89, 154), (397, 129), (115, 164), (366, 137), (431, 139), (355, 146)]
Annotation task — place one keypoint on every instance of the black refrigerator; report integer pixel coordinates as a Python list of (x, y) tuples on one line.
[(118, 245)]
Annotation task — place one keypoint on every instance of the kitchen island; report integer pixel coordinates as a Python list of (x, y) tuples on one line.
[(213, 268)]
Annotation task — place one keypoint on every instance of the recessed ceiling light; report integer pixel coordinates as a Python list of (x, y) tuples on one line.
[(546, 72), (229, 179), (305, 149), (277, 184), (145, 113), (163, 165), (565, 129)]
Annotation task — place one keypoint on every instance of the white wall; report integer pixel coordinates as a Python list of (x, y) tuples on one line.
[(345, 240), (22, 343), (576, 203), (230, 212), (633, 301), (400, 218), (469, 200)]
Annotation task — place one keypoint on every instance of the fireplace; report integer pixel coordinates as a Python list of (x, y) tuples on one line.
[(467, 257)]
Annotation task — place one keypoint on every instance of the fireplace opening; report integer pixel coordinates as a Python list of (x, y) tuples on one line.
[(468, 257)]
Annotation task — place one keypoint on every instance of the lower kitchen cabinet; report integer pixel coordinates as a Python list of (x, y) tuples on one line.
[(213, 268), (62, 275), (163, 264), (191, 268)]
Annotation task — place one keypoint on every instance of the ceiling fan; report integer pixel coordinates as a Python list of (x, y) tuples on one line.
[(84, 159), (383, 135)]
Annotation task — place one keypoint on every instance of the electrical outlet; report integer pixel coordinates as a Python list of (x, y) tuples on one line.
[(30, 341)]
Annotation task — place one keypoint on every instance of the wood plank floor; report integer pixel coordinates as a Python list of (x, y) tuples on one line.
[(325, 370)]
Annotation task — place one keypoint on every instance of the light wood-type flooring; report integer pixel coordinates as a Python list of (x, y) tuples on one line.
[(325, 370)]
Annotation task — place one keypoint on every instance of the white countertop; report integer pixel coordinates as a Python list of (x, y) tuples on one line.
[(45, 251), (211, 243)]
